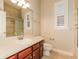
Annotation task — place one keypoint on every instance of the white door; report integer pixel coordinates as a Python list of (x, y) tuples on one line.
[(2, 25)]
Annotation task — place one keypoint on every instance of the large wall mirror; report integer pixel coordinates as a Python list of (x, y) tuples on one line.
[(21, 21), (14, 20)]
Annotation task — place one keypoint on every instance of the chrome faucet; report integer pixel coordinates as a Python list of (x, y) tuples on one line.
[(20, 37)]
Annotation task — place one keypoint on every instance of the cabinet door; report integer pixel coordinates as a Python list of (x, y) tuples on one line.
[(2, 25), (36, 54), (25, 53), (41, 51), (28, 57), (13, 57)]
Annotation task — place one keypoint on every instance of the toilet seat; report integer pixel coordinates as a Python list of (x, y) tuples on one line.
[(47, 45)]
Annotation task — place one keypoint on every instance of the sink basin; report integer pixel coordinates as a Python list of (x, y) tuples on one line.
[(24, 41)]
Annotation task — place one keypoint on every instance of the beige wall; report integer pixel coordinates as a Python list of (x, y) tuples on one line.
[(1, 4), (75, 27), (63, 40), (35, 7)]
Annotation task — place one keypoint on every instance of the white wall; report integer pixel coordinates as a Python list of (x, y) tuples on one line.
[(63, 40)]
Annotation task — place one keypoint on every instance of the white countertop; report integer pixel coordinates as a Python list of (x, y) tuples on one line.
[(10, 47)]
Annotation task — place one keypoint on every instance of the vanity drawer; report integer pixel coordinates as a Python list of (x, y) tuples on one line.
[(36, 46), (24, 53), (13, 57)]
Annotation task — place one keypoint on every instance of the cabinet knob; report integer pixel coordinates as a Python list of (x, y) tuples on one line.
[(30, 57), (33, 54)]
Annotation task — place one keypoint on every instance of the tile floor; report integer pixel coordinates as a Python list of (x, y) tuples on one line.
[(55, 55)]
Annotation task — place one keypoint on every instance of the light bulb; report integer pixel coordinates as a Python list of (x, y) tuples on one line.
[(22, 1), (28, 5), (19, 4), (24, 6), (18, 0), (14, 1)]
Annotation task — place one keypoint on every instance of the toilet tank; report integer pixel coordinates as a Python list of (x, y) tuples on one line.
[(47, 46)]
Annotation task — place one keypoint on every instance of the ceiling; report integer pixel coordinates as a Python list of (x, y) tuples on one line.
[(10, 3)]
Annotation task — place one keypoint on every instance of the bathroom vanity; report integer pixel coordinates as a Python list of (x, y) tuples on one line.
[(33, 52), (28, 49)]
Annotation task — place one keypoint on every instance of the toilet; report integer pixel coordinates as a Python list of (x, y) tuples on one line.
[(47, 49)]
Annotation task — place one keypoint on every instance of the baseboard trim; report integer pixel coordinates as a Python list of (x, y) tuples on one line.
[(63, 52)]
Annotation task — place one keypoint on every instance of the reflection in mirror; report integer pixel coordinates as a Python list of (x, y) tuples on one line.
[(28, 21), (14, 21)]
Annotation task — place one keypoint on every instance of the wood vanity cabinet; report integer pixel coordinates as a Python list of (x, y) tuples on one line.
[(33, 52)]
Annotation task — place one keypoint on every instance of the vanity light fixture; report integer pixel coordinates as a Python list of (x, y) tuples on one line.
[(21, 3)]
